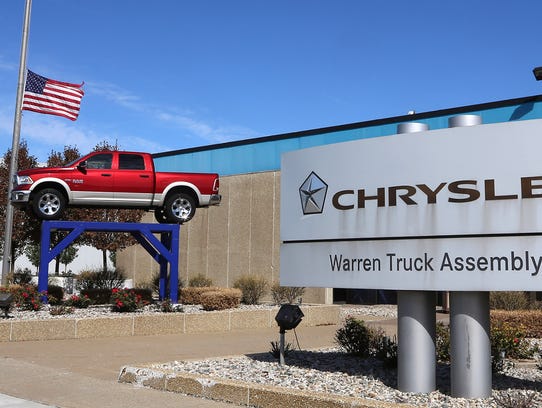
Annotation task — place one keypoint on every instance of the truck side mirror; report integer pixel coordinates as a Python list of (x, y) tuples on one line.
[(82, 166)]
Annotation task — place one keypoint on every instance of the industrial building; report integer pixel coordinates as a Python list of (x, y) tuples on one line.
[(242, 235)]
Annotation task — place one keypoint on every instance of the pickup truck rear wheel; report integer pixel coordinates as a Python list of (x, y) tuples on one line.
[(48, 204), (180, 208)]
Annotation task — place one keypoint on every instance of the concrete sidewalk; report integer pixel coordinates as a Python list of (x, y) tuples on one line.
[(83, 373), (11, 402)]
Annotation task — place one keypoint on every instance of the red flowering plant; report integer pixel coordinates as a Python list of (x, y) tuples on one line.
[(80, 302), (26, 297), (30, 299), (509, 340), (126, 300)]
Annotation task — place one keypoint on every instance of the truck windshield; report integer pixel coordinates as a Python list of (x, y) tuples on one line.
[(71, 164)]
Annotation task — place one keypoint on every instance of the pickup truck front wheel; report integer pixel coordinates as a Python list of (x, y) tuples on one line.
[(48, 204), (179, 208)]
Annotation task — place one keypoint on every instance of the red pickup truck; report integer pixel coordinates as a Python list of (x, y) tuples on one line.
[(114, 179)]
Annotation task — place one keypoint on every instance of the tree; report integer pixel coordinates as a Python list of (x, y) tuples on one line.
[(59, 159), (32, 252), (67, 256), (25, 229), (112, 241)]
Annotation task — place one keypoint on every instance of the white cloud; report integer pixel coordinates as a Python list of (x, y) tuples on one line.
[(182, 119), (205, 131), (115, 94), (44, 135)]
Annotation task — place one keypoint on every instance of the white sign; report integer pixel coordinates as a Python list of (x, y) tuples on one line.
[(450, 209)]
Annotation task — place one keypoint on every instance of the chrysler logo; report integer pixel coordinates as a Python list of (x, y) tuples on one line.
[(313, 194)]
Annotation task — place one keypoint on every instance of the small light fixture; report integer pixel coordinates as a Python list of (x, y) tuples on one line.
[(538, 73), (288, 317)]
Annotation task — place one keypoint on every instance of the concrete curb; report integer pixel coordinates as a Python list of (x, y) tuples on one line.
[(241, 393), (157, 324)]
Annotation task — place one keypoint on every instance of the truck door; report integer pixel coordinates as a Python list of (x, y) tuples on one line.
[(94, 183), (134, 182)]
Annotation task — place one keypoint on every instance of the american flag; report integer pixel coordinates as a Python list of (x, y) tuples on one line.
[(52, 97)]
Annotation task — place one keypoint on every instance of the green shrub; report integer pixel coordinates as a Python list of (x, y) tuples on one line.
[(20, 277), (97, 296), (385, 349), (55, 294), (220, 299), (529, 320), (252, 288), (510, 340), (275, 349), (100, 279), (200, 281), (144, 293), (60, 310), (31, 299), (286, 294), (356, 338), (16, 291), (505, 338), (126, 300), (80, 302), (509, 301), (442, 342), (167, 307), (26, 297)]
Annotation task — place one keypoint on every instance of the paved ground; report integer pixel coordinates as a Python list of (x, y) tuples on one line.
[(11, 402), (83, 373)]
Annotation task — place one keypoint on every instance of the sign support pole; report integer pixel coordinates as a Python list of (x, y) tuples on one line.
[(416, 352), (416, 327), (470, 344)]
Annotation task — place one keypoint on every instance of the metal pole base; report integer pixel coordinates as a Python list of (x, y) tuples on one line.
[(470, 345), (416, 355), (281, 346)]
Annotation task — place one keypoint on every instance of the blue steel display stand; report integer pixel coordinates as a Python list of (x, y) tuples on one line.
[(163, 251)]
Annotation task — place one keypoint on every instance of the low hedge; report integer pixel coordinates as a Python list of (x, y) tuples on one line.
[(221, 298), (192, 294), (97, 296), (530, 321), (146, 294), (103, 296)]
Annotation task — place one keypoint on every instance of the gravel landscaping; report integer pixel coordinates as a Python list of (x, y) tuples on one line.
[(331, 371)]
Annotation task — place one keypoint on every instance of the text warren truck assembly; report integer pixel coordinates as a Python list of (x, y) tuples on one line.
[(114, 179)]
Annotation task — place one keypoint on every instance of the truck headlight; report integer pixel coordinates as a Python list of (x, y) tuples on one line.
[(20, 180)]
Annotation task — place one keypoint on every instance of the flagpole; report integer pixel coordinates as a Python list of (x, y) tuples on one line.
[(6, 258)]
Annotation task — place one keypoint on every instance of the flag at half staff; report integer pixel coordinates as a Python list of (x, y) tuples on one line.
[(52, 97)]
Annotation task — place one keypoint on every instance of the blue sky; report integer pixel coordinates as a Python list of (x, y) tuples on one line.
[(173, 74)]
